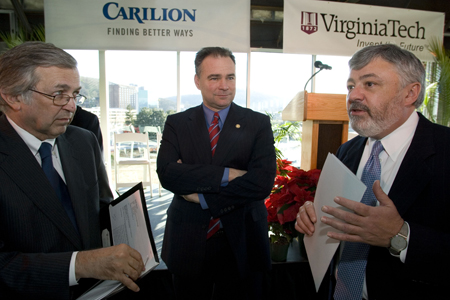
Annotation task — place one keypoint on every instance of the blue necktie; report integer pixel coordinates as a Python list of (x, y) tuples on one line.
[(45, 151), (352, 266)]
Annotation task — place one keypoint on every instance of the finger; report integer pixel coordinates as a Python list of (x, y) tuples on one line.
[(342, 215), (310, 211), (380, 194), (136, 265), (355, 207), (132, 273), (343, 227), (303, 222), (129, 283)]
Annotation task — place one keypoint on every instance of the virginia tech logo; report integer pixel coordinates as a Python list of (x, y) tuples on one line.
[(309, 22)]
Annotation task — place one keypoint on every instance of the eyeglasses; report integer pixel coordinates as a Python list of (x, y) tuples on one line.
[(63, 99)]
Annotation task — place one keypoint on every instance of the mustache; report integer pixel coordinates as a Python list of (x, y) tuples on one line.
[(359, 106)]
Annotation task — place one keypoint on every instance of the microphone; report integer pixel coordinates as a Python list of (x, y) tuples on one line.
[(318, 64)]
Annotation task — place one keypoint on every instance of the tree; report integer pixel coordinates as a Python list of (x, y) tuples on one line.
[(129, 115), (150, 117)]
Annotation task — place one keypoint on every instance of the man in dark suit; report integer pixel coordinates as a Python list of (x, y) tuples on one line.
[(89, 121), (48, 229), (407, 231), (229, 182)]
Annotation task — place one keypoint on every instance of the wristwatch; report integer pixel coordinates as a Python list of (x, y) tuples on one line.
[(399, 242)]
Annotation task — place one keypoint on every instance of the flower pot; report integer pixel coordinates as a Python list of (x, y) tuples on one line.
[(279, 250)]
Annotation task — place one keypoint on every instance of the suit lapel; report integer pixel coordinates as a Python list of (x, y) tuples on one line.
[(22, 167), (353, 155), (414, 169), (73, 173)]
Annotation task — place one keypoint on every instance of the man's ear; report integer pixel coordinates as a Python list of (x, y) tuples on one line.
[(197, 81), (14, 102), (413, 91)]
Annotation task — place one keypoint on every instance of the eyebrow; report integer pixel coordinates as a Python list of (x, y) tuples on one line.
[(365, 76), (66, 87), (219, 75)]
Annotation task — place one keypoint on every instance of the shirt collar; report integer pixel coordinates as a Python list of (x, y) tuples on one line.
[(209, 115), (30, 140)]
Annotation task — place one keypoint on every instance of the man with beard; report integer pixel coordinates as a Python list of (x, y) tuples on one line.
[(394, 239)]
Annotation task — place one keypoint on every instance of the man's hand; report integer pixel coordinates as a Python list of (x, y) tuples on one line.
[(192, 198), (306, 218), (373, 225), (121, 263), (234, 173)]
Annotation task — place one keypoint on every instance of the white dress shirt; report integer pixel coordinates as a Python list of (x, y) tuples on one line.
[(395, 145)]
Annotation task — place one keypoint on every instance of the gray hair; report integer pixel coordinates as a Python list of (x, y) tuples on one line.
[(211, 51), (18, 66), (410, 68)]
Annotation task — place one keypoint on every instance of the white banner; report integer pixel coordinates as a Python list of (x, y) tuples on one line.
[(329, 28), (186, 25)]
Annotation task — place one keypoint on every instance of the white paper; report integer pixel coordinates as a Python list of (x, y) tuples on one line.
[(128, 226), (335, 180)]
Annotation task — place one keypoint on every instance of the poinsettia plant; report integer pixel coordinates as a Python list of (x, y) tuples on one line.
[(291, 189)]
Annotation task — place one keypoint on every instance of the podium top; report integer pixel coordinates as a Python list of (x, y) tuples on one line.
[(316, 106)]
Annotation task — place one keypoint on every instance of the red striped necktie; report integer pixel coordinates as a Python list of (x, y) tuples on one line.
[(214, 130)]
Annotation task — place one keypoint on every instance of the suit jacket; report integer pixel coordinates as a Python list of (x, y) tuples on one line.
[(89, 121), (245, 143), (421, 194), (37, 237)]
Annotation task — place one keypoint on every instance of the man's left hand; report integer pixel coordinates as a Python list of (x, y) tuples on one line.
[(373, 225), (192, 198)]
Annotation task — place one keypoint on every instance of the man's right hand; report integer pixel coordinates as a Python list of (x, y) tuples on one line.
[(234, 173), (306, 218), (120, 262)]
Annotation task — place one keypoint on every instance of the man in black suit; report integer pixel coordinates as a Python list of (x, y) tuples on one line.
[(407, 231), (47, 230), (89, 121), (229, 183)]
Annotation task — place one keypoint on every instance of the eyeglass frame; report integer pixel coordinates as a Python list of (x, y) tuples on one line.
[(77, 101)]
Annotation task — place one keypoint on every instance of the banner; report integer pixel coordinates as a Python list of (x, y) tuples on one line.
[(148, 24), (329, 28)]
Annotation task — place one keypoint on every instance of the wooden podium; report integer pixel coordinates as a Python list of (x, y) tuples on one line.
[(325, 125)]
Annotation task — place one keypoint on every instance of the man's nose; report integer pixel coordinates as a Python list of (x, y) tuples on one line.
[(71, 105), (223, 84), (355, 94)]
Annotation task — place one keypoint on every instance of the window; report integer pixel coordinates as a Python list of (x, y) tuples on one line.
[(275, 78)]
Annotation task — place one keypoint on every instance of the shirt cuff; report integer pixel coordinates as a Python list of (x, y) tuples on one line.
[(202, 200), (404, 251), (72, 277), (226, 173)]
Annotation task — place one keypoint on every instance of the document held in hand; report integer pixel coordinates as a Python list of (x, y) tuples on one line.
[(335, 180), (125, 221)]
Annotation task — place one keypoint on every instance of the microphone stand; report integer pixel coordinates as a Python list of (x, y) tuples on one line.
[(311, 78)]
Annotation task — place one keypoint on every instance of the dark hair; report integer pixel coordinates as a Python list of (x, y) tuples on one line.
[(213, 51), (409, 67), (18, 66)]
